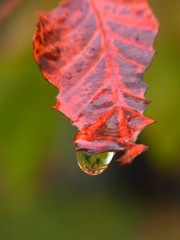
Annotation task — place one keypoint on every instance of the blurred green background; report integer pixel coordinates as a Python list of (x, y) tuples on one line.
[(43, 193)]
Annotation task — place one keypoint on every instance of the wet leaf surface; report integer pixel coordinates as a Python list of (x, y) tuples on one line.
[(95, 53)]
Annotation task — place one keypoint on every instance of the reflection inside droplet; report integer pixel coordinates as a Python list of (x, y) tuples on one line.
[(94, 164)]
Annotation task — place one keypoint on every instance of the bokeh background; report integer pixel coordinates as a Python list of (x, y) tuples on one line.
[(43, 193)]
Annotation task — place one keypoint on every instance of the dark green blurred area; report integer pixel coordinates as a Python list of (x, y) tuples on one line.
[(43, 193)]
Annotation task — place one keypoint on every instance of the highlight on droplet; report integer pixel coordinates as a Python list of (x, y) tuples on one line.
[(94, 164)]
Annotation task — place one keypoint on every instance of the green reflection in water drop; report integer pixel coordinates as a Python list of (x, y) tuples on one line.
[(94, 164)]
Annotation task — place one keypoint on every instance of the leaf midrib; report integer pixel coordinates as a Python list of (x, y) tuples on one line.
[(103, 33)]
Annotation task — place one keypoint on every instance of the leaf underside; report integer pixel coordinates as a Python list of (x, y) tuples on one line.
[(95, 53)]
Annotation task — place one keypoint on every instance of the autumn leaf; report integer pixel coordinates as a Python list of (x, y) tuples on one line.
[(95, 53)]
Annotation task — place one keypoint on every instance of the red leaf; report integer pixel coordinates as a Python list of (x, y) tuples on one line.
[(95, 53)]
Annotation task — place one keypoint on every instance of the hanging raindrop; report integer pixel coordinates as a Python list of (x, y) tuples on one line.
[(94, 164)]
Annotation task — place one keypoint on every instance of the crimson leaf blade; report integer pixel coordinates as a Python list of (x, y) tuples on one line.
[(95, 53)]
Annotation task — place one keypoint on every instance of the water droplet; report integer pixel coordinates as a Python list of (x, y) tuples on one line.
[(94, 164), (69, 76), (78, 69)]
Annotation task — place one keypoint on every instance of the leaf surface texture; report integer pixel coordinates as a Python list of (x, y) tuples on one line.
[(95, 53)]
